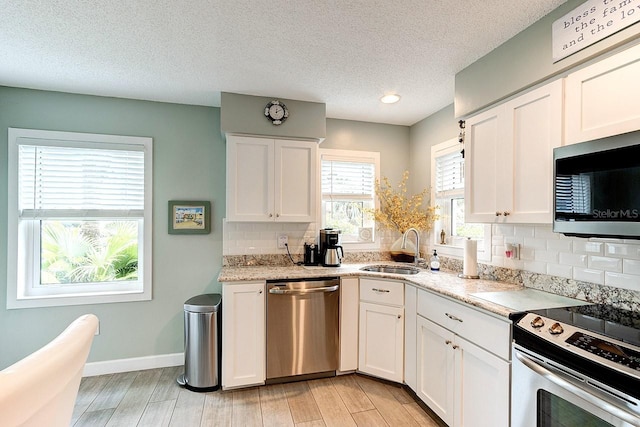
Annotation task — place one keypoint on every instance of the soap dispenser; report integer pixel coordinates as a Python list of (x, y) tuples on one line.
[(434, 262)]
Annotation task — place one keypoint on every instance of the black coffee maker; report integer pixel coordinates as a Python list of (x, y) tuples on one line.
[(330, 251), (311, 254)]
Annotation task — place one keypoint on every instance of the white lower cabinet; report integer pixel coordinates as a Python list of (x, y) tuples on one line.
[(410, 336), (349, 303), (465, 383), (435, 368), (484, 387), (381, 329), (243, 335)]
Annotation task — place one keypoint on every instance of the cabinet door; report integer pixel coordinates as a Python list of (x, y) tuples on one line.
[(381, 341), (483, 167), (410, 336), (435, 363), (508, 158), (243, 334), (602, 99), (295, 180), (250, 179), (533, 124), (482, 390), (349, 312)]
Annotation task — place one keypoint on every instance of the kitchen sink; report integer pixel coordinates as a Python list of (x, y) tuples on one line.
[(395, 269)]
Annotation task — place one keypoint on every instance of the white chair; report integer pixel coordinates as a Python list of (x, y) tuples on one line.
[(41, 389)]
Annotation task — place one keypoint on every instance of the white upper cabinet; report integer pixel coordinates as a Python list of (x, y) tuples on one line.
[(482, 159), (271, 179), (602, 99), (295, 180), (508, 158)]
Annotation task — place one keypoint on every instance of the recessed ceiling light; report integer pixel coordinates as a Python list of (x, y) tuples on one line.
[(390, 99)]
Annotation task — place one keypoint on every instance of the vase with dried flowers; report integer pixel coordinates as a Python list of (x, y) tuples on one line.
[(400, 211)]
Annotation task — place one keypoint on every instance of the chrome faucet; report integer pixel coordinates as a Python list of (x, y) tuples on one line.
[(416, 259)]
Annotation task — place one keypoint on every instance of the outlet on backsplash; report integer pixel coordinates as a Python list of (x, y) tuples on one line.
[(283, 241), (512, 250)]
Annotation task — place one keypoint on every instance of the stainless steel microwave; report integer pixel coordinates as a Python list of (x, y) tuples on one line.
[(597, 188)]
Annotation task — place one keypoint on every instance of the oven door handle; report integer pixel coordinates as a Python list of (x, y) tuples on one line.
[(278, 291), (599, 400)]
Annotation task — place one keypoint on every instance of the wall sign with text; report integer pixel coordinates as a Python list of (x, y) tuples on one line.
[(591, 22)]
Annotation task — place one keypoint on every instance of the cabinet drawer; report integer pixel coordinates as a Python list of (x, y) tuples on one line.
[(382, 291), (481, 329)]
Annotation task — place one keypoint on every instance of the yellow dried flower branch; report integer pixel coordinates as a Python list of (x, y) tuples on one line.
[(399, 212)]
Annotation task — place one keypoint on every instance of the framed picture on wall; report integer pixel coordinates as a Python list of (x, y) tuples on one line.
[(189, 217)]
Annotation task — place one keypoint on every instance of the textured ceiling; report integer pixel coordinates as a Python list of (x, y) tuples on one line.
[(346, 54)]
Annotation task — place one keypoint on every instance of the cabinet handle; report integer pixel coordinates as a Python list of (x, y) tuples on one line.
[(260, 292), (447, 342), (506, 213), (452, 317), (277, 215), (382, 291), (399, 316), (270, 215), (455, 347), (498, 213)]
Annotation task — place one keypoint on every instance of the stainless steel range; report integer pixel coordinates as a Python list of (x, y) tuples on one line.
[(576, 366)]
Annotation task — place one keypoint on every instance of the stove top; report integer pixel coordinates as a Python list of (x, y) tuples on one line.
[(585, 337), (616, 323)]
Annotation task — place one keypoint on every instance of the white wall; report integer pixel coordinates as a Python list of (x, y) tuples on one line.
[(259, 238), (610, 262)]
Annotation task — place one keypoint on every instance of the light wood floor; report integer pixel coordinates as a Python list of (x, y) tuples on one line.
[(152, 398)]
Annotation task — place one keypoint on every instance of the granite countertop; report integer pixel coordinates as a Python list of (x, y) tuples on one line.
[(444, 282)]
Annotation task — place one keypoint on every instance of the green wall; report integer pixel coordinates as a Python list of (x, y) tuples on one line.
[(523, 61), (438, 127), (392, 141), (245, 114), (188, 163)]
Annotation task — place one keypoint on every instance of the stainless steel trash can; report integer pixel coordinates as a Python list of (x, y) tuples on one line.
[(202, 352)]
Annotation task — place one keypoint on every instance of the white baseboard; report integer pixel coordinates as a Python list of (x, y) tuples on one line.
[(133, 364)]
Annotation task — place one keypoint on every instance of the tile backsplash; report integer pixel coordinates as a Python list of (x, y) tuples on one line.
[(260, 238), (595, 270), (609, 262)]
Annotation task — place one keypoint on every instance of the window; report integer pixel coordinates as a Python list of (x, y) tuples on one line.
[(447, 181), (79, 218), (348, 190)]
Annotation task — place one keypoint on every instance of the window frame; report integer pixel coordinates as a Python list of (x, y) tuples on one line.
[(484, 246), (23, 243), (351, 155)]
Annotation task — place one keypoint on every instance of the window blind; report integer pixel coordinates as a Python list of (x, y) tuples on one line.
[(449, 174), (76, 181), (347, 179), (573, 194)]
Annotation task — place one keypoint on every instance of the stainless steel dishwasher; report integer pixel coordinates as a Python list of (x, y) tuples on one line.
[(302, 328)]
